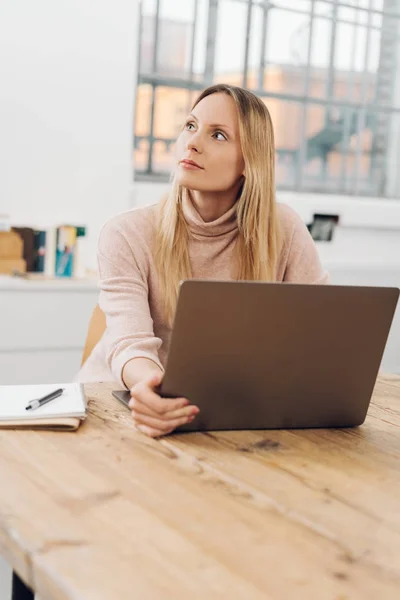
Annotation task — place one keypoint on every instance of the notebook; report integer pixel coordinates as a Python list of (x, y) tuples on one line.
[(63, 413)]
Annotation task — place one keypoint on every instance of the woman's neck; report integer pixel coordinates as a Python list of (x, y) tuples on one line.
[(212, 205)]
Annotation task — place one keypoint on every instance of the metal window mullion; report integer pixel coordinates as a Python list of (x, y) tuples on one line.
[(369, 9), (261, 68), (330, 83), (324, 16), (193, 44), (192, 50), (306, 12), (302, 154), (332, 51), (199, 85), (151, 132), (211, 40), (138, 61), (347, 116), (140, 38), (156, 30), (362, 114), (247, 43), (153, 89)]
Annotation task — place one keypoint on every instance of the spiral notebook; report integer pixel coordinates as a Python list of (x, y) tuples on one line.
[(64, 413)]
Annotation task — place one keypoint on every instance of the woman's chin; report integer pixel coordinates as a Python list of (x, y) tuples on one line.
[(187, 178)]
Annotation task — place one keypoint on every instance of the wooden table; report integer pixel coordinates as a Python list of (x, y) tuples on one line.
[(106, 513)]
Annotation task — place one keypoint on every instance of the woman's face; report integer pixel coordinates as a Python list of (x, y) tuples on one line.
[(208, 152)]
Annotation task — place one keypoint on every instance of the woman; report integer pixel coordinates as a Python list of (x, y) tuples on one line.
[(220, 221)]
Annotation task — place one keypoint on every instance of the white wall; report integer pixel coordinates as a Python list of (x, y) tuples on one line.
[(67, 76)]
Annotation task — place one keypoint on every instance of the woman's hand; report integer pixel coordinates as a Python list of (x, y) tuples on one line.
[(156, 416)]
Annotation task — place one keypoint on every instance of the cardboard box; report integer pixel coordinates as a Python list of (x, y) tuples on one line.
[(11, 245), (8, 265)]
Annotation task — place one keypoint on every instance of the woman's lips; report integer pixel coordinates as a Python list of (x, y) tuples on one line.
[(190, 165)]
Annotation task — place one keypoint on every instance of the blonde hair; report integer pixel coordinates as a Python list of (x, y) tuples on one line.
[(257, 245)]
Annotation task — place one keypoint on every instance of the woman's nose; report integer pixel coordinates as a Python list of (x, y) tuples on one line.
[(194, 143)]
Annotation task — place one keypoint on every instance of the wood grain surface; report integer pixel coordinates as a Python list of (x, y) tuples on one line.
[(106, 513)]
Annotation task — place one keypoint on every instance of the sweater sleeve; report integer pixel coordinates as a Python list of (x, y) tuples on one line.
[(124, 300), (303, 264)]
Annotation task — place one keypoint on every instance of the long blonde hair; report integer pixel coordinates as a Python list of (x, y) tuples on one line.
[(257, 245)]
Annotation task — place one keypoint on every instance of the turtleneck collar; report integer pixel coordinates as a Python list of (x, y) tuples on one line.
[(197, 226)]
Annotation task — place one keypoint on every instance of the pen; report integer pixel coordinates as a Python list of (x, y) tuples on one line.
[(40, 401)]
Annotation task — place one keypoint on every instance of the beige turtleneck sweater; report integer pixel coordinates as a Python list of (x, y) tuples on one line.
[(129, 294)]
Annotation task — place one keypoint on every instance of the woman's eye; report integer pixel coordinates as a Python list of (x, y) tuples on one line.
[(189, 126), (219, 136)]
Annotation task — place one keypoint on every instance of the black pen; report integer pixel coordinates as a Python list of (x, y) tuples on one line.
[(40, 401)]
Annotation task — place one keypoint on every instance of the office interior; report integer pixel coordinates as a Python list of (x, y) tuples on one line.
[(93, 96)]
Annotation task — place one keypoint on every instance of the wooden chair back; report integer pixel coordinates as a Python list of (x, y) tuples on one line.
[(97, 326)]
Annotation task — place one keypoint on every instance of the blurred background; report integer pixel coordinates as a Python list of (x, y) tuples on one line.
[(325, 69), (93, 96)]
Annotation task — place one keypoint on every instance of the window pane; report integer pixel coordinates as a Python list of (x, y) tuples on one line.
[(148, 11), (141, 155), (173, 47), (255, 49), (359, 181), (149, 7), (142, 126), (175, 37), (176, 10), (287, 51), (346, 13), (171, 108), (143, 109), (379, 5), (392, 175), (350, 145), (229, 57), (320, 57), (377, 20), (312, 168), (345, 47), (286, 118), (301, 6), (162, 157), (200, 40)]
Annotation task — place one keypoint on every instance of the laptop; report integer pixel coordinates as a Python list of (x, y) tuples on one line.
[(255, 355)]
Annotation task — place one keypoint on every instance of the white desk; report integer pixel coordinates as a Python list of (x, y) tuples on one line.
[(43, 326)]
